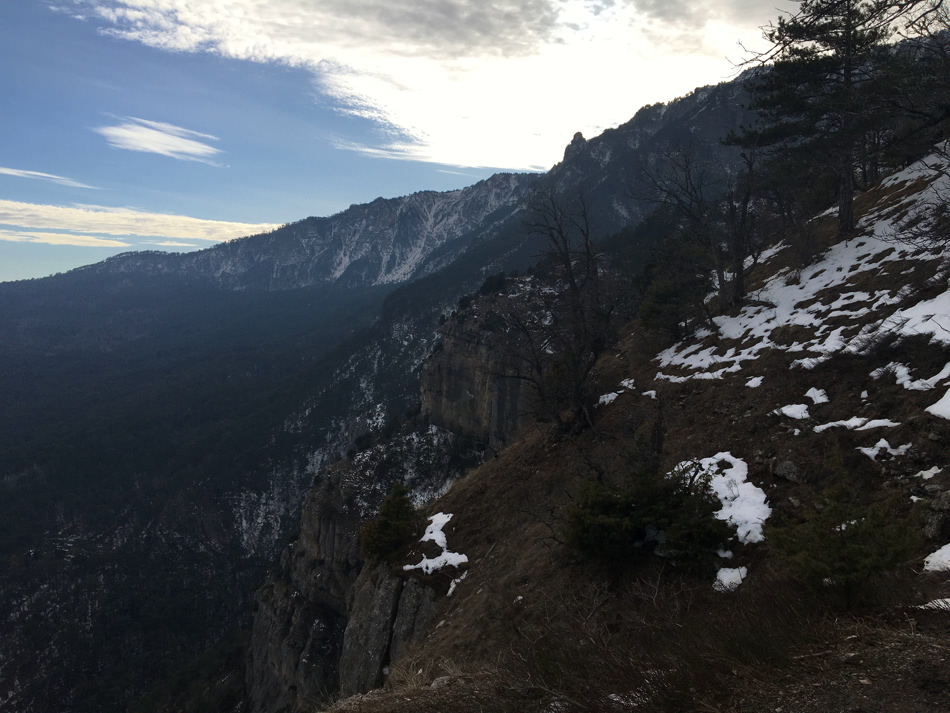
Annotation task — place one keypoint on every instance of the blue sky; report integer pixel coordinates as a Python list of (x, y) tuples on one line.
[(174, 124)]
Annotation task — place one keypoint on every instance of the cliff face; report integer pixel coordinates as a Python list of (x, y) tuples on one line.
[(386, 613), (301, 611), (316, 606), (469, 386)]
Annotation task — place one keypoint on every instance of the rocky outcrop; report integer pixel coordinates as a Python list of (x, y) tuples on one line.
[(320, 624), (469, 385), (386, 614), (369, 631), (301, 610), (413, 617)]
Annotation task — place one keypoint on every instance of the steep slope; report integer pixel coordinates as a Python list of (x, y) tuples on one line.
[(834, 375)]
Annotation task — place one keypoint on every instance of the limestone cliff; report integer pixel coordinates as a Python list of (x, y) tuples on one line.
[(387, 612), (468, 386), (309, 601)]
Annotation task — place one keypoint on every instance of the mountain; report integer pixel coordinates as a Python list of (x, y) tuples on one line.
[(165, 415), (386, 242)]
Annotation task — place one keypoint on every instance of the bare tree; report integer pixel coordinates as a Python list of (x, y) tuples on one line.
[(717, 212), (557, 337)]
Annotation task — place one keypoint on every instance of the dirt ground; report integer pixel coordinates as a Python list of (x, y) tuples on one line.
[(896, 666)]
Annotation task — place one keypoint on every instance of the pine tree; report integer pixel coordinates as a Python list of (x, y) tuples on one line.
[(398, 524), (815, 97)]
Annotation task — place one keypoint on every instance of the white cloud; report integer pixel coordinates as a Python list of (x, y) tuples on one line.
[(28, 218), (44, 177), (161, 138), (86, 241), (465, 82)]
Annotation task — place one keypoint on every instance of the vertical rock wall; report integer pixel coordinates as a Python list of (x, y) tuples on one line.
[(317, 600), (387, 612), (468, 386)]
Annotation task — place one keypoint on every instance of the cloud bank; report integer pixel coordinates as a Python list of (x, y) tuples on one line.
[(458, 82), (158, 137), (85, 225)]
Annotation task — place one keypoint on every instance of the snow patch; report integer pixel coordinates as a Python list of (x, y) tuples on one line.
[(818, 396), (938, 604), (728, 578), (798, 411), (882, 445), (902, 375), (938, 561), (455, 583), (941, 408), (858, 424), (743, 504), (435, 534)]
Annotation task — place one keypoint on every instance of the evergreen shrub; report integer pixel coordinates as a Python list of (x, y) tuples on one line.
[(672, 514), (397, 526), (842, 547)]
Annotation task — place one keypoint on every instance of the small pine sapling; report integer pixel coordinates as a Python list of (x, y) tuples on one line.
[(398, 525)]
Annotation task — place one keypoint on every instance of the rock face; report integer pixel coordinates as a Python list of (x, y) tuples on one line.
[(369, 631), (469, 386), (301, 613), (387, 612), (320, 624)]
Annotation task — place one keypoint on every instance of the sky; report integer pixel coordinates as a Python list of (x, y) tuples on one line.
[(176, 124)]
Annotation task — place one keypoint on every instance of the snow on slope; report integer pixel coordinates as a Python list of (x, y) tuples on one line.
[(861, 292), (834, 301)]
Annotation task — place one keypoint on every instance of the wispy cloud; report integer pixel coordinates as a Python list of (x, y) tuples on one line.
[(126, 223), (86, 241), (161, 138), (61, 180), (171, 244)]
